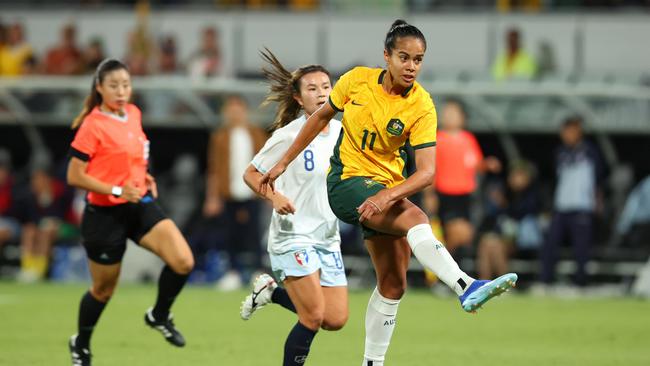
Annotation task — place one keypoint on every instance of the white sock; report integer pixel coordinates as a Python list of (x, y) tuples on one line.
[(433, 255), (380, 323)]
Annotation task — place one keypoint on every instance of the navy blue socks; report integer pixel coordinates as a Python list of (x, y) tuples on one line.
[(296, 348)]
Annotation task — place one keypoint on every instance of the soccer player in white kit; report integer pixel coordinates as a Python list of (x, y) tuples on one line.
[(304, 241)]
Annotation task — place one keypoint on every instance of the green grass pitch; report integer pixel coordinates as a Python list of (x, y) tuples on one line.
[(36, 321)]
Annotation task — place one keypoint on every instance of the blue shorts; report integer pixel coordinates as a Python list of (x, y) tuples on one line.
[(303, 262)]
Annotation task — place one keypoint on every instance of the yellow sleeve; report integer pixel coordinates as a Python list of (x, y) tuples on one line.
[(340, 93), (423, 132)]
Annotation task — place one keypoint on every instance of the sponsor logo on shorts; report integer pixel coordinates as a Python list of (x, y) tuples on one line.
[(301, 257)]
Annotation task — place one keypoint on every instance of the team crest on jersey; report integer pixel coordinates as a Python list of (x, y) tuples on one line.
[(369, 182), (395, 127), (301, 257)]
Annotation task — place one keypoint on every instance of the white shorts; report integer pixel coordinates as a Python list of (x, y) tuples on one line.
[(303, 262)]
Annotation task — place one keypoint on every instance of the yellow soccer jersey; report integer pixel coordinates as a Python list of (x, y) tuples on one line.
[(376, 124)]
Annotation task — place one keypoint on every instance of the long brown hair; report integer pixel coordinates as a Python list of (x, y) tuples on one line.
[(284, 85), (94, 98)]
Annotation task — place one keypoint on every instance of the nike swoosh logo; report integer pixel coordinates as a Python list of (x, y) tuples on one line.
[(355, 103), (255, 295)]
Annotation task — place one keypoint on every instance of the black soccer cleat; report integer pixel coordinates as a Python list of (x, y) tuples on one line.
[(166, 327), (80, 356)]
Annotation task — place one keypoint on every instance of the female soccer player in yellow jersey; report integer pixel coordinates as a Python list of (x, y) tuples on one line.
[(381, 110)]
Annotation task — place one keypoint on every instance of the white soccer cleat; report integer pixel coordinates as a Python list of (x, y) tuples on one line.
[(263, 288)]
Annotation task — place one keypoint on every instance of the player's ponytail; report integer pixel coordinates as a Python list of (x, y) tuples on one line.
[(94, 98), (284, 86), (399, 29)]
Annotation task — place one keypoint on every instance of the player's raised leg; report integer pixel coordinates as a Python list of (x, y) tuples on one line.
[(406, 218)]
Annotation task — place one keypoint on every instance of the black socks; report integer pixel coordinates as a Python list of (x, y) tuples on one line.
[(281, 297), (170, 285), (296, 348), (89, 311)]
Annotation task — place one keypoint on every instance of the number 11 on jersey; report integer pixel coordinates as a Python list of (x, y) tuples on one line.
[(364, 139)]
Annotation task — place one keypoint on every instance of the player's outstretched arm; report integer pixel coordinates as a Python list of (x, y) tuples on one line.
[(281, 204), (425, 162), (425, 165), (315, 123)]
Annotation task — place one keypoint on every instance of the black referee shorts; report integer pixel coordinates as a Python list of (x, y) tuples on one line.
[(453, 207), (104, 229)]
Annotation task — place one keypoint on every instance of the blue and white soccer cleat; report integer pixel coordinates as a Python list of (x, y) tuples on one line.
[(481, 291)]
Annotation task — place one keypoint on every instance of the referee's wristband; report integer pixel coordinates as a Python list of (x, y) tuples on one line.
[(116, 191)]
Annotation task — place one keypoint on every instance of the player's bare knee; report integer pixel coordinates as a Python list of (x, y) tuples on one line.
[(312, 323), (394, 293), (313, 318), (393, 288), (183, 265), (392, 285), (102, 292), (415, 214), (334, 323)]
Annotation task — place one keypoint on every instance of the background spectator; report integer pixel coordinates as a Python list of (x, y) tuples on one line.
[(9, 226), (633, 227), (515, 62), (162, 104), (168, 60), (65, 58), (206, 61), (511, 221), (230, 151), (580, 170), (141, 50), (93, 55), (44, 207), (16, 53)]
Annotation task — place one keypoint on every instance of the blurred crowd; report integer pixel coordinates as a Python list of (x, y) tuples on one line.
[(144, 54), (413, 5), (157, 54)]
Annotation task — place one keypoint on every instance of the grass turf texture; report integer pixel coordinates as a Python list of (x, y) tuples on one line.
[(37, 320)]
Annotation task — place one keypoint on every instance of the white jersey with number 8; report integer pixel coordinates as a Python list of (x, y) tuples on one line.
[(304, 183)]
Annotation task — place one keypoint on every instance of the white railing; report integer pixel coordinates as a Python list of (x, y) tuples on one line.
[(607, 107)]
